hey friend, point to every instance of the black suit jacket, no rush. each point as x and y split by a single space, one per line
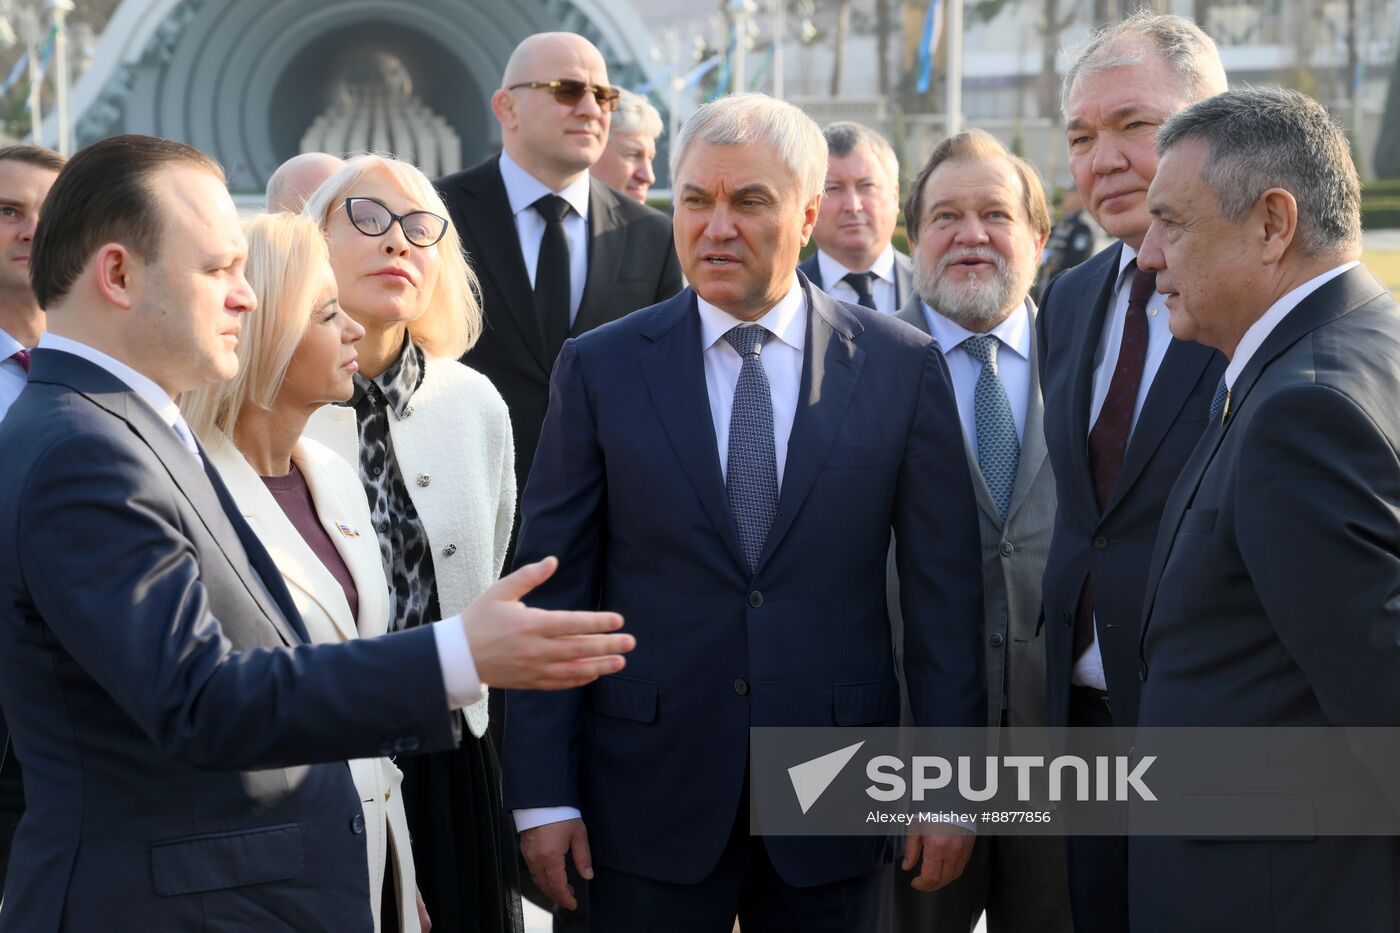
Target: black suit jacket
631 264
1272 602
155 675
1112 546
903 277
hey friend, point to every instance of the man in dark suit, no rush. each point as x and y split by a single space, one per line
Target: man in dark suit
972 271
183 745
855 260
1271 592
726 468
1124 403
557 253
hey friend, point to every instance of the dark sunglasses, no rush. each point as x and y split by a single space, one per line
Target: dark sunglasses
372 218
570 92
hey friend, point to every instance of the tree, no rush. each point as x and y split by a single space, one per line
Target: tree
1387 157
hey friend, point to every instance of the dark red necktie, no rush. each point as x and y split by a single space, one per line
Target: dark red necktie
23 357
1108 440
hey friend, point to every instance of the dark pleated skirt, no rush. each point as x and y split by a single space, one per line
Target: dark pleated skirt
464 854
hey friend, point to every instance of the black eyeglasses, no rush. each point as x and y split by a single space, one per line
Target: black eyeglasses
372 218
570 92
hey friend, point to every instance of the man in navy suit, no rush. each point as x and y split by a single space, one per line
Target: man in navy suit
726 468
855 259
1271 597
184 746
1124 403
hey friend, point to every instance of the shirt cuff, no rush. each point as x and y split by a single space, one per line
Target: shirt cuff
458 669
531 817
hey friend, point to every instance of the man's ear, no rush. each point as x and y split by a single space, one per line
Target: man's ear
1276 223
503 106
809 217
115 266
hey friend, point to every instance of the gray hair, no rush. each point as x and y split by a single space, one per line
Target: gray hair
1262 138
744 118
844 137
1191 54
635 114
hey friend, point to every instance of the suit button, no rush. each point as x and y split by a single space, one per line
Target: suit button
997 639
388 792
378 471
741 687
449 550
1142 673
1100 543
755 599
357 824
1067 619
1007 548
424 479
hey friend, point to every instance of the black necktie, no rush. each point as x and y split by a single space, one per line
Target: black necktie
552 275
861 282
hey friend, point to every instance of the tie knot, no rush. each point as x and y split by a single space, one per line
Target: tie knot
23 357
860 281
552 208
983 349
747 339
1144 284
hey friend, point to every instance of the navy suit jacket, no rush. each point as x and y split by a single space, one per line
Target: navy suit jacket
1112 545
627 491
155 676
903 277
1272 602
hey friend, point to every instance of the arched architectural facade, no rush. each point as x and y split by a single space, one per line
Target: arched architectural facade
244 79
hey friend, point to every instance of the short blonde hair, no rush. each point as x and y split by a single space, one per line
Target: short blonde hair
452 322
739 119
282 249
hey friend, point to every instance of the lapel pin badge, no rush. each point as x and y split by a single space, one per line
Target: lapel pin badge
347 530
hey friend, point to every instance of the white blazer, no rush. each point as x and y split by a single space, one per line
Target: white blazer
457 455
344 513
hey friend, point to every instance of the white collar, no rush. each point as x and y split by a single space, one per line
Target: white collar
9 346
833 271
1126 258
524 189
1260 330
1014 332
784 320
145 389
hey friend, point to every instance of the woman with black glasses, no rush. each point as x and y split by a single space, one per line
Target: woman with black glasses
433 443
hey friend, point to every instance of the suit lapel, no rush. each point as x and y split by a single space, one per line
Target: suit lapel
903 279
606 239
1033 449
1082 367
1181 369
831 368
357 546
812 268
674 369
495 254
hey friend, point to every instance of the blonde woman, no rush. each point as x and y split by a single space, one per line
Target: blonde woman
296 354
433 443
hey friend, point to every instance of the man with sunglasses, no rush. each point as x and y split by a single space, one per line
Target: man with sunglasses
557 253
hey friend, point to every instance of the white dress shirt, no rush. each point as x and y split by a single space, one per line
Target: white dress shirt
1260 330
781 359
1088 669
882 289
523 190
13 377
1013 365
459 675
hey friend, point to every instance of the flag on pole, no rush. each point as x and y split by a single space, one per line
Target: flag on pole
15 72
933 27
693 76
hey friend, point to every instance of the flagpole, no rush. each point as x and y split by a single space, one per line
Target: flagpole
61 8
779 31
955 68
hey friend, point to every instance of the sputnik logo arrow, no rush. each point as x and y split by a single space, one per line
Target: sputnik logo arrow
811 778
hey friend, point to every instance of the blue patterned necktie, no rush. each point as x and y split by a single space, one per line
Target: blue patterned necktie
751 468
998 449
1219 400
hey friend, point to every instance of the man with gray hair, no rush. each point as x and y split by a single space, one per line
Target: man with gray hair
626 161
296 179
1124 402
855 260
1271 593
699 460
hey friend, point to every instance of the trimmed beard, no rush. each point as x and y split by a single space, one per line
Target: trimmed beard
973 305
